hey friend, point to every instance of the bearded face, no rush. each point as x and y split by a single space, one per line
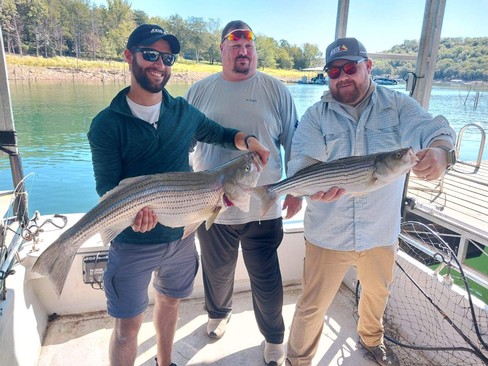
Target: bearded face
149 75
239 59
351 89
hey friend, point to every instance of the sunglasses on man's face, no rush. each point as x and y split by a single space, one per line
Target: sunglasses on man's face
237 34
350 69
151 55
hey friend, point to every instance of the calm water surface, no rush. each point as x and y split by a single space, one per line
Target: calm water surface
52 120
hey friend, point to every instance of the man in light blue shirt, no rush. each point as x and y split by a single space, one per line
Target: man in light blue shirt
356 117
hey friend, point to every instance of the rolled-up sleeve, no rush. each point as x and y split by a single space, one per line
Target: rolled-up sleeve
419 129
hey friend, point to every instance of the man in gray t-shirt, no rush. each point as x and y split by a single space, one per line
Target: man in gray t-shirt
260 105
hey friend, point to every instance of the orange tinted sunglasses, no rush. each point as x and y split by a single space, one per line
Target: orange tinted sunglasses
350 68
237 34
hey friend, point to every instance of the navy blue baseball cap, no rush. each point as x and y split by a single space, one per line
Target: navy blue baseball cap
147 34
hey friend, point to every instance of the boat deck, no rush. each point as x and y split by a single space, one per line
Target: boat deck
458 203
463 198
83 339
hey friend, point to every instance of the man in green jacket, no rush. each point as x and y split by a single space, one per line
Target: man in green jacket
147 131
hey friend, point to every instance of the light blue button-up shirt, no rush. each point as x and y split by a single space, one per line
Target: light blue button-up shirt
326 132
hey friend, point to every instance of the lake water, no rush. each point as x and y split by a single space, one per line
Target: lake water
52 120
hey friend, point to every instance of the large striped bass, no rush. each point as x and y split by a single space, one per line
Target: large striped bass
358 175
180 199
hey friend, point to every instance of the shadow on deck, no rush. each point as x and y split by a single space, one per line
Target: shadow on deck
83 340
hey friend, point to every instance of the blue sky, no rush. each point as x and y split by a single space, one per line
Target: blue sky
378 24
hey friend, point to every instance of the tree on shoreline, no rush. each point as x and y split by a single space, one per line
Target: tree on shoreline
77 28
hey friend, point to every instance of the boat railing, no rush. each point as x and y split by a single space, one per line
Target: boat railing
459 142
10 239
481 145
477 164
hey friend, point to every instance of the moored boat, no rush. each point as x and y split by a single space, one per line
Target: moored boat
385 81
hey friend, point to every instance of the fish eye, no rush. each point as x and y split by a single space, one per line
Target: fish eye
247 168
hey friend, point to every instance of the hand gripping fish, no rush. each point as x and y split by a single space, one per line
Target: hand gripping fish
180 199
358 175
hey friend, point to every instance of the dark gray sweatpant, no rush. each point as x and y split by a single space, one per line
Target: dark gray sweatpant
219 251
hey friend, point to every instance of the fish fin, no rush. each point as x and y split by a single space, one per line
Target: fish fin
190 229
109 233
301 163
212 218
122 185
56 260
243 202
265 197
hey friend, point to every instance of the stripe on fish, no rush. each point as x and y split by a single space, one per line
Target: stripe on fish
358 175
180 199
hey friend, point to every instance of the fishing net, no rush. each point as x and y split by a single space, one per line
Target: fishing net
432 318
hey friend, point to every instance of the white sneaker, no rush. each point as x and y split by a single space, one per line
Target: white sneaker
274 354
216 327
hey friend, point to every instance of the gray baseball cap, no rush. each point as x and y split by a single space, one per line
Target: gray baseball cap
345 49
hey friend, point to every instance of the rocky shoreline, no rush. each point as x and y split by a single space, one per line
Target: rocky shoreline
23 73
119 76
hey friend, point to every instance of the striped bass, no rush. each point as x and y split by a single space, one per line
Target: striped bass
358 175
179 199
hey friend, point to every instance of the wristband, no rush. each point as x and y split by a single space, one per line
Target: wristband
247 138
451 155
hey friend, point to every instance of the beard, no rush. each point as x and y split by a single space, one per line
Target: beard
350 97
355 91
242 69
145 82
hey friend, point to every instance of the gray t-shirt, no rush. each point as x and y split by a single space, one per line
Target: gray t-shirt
260 106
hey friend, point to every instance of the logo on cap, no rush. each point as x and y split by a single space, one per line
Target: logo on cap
156 30
338 49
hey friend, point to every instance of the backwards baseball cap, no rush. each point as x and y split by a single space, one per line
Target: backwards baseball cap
147 34
345 49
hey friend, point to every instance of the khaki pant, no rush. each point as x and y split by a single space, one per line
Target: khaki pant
323 273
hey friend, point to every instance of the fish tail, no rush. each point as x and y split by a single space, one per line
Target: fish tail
266 198
55 265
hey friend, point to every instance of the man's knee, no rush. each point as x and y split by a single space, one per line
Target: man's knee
166 301
125 330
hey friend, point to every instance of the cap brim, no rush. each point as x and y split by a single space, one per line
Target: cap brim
172 40
348 58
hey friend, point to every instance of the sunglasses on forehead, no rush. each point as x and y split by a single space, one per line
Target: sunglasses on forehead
237 34
350 68
151 55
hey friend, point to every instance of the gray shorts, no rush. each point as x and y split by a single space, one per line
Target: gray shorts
129 269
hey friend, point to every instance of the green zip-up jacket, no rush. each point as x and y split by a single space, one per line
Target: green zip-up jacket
124 146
